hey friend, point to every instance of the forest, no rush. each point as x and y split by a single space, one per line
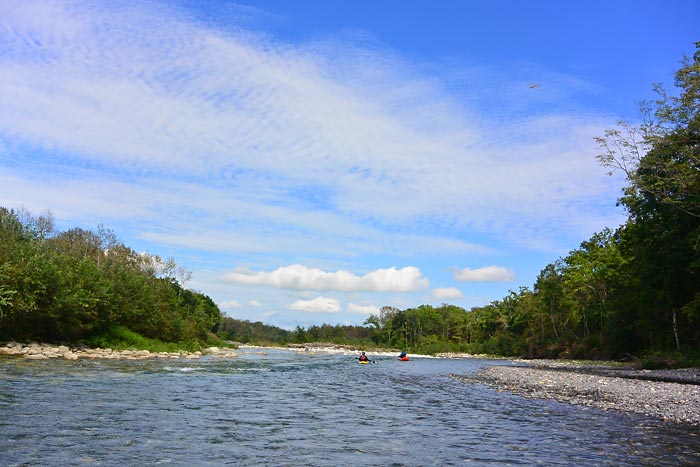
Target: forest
628 293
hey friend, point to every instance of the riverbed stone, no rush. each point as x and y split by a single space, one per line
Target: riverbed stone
37 356
669 401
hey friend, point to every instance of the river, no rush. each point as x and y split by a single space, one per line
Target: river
281 408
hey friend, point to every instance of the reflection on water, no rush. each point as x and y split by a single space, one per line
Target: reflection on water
280 408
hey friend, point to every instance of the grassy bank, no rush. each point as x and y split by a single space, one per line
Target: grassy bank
122 338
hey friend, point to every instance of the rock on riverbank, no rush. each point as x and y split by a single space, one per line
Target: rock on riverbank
40 351
617 390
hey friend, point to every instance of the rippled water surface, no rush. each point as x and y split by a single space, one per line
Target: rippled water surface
279 408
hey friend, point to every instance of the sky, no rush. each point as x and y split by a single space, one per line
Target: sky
311 162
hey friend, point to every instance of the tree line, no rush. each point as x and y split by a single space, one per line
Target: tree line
72 285
249 332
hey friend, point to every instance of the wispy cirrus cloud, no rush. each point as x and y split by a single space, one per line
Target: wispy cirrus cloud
183 100
215 141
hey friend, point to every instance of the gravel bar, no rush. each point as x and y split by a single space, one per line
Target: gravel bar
670 395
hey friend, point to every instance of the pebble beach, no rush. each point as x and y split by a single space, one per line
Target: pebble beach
669 395
43 351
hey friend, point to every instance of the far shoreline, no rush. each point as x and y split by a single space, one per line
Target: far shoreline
44 351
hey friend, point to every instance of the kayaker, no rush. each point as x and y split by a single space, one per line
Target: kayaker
403 357
363 358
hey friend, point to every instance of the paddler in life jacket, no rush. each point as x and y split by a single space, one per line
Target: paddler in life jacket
363 358
403 357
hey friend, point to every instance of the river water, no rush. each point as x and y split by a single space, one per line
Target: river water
280 408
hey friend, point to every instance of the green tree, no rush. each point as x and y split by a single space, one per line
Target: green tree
661 160
66 286
661 156
591 275
549 288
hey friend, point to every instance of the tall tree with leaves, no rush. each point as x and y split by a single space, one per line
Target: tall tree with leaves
661 156
661 160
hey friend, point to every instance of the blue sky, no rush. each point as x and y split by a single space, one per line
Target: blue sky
311 162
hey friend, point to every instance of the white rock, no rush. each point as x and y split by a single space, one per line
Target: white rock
37 356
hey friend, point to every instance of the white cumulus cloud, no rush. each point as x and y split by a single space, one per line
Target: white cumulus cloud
447 293
485 274
317 305
230 304
299 277
362 309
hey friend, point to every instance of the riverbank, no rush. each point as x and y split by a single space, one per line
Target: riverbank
669 395
43 351
343 349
